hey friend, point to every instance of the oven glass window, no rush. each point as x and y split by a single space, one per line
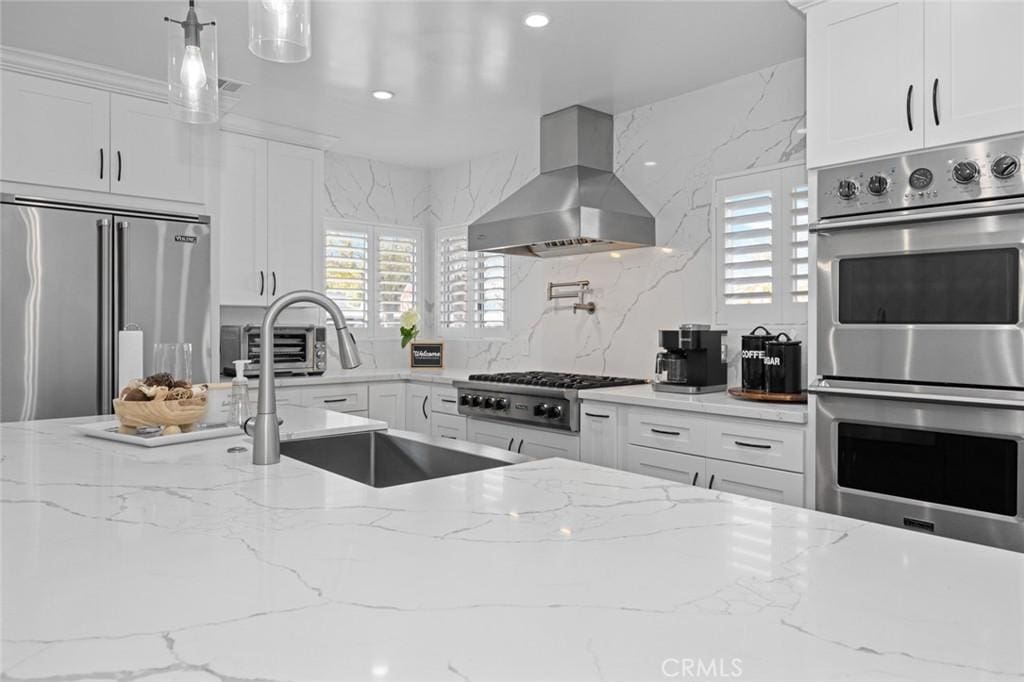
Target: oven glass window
971 472
966 287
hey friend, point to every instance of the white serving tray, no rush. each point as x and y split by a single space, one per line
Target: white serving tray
108 430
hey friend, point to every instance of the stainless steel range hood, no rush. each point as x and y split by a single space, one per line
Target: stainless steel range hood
576 204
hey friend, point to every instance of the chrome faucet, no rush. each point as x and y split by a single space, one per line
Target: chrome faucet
266 448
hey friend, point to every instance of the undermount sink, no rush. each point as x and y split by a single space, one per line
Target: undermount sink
387 458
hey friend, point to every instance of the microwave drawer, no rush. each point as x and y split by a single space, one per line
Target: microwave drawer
667 430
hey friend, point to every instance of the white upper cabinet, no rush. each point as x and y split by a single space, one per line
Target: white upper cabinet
974 69
889 77
295 183
64 135
865 62
243 220
55 133
152 154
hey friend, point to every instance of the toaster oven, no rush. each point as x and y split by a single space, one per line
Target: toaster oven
298 351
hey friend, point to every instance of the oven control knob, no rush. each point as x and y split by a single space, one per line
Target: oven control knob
501 404
554 412
488 403
878 185
1005 166
541 410
847 189
965 172
464 399
475 400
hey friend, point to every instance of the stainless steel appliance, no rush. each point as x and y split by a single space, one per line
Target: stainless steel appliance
694 360
920 341
547 399
576 204
72 276
297 350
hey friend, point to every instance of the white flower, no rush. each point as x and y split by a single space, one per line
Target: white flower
410 318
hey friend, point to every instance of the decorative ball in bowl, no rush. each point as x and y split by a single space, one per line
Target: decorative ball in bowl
160 401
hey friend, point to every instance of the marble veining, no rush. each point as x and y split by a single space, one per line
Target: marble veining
188 563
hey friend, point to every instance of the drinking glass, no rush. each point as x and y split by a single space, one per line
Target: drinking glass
174 359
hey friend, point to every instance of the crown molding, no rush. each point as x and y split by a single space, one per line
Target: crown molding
804 5
91 75
236 123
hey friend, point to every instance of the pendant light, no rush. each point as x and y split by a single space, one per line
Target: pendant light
279 30
192 87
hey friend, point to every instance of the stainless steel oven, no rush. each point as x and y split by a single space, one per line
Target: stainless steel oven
950 464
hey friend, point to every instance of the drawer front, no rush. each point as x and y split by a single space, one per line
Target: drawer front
758 482
284 396
444 399
673 466
667 431
542 443
448 426
339 398
748 442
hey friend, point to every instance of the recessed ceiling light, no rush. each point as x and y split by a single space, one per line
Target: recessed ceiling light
383 94
536 20
650 163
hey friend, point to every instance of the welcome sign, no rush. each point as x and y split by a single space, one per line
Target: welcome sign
423 355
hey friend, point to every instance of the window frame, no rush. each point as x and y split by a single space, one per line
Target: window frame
780 179
470 331
375 331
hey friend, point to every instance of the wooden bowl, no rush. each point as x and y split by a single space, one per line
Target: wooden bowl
174 416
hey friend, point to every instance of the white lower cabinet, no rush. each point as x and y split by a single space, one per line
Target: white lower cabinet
599 435
753 481
448 426
387 403
491 433
417 408
674 466
536 443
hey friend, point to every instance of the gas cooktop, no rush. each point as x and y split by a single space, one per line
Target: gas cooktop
577 382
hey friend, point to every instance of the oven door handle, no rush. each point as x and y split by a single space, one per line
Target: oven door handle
997 207
982 399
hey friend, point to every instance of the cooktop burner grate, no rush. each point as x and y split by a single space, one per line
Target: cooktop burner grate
577 382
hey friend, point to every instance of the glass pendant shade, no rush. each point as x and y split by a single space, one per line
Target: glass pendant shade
279 30
192 86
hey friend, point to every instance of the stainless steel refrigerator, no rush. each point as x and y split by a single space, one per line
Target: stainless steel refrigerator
72 276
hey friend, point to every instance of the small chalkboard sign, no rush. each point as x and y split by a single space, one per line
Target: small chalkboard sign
423 355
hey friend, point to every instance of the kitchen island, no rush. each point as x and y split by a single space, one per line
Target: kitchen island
189 563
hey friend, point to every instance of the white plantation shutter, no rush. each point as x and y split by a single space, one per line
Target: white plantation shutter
455 299
761 247
347 273
396 276
490 278
472 286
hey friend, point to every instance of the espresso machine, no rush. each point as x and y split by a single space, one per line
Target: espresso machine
694 360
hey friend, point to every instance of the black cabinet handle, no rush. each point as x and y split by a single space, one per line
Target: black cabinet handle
424 407
447 400
273 287
910 118
119 165
101 163
510 441
598 416
666 433
759 446
444 436
694 482
519 450
337 400
935 100
711 483
262 282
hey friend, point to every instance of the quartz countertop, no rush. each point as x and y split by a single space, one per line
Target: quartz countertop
189 563
718 403
358 376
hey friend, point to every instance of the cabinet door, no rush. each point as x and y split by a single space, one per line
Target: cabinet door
448 426
387 404
243 220
542 443
54 133
599 434
295 182
491 433
153 154
974 69
865 80
673 466
759 482
417 408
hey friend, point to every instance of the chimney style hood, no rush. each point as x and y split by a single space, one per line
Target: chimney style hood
576 204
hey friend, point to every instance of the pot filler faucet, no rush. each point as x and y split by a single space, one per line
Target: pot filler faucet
266 448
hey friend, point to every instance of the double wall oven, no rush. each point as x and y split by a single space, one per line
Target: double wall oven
920 341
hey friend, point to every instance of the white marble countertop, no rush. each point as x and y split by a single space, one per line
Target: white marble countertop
357 376
720 403
188 563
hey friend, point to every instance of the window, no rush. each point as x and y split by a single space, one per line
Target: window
761 273
472 286
372 272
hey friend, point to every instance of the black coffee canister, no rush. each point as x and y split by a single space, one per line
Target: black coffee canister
782 365
752 347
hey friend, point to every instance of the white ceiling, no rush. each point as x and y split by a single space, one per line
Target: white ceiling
469 78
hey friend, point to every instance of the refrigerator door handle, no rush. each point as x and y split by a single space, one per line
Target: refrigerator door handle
121 273
105 387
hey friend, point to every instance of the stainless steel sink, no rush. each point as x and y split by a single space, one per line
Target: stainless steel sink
386 458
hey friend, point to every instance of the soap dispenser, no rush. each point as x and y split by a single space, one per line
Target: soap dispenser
239 409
